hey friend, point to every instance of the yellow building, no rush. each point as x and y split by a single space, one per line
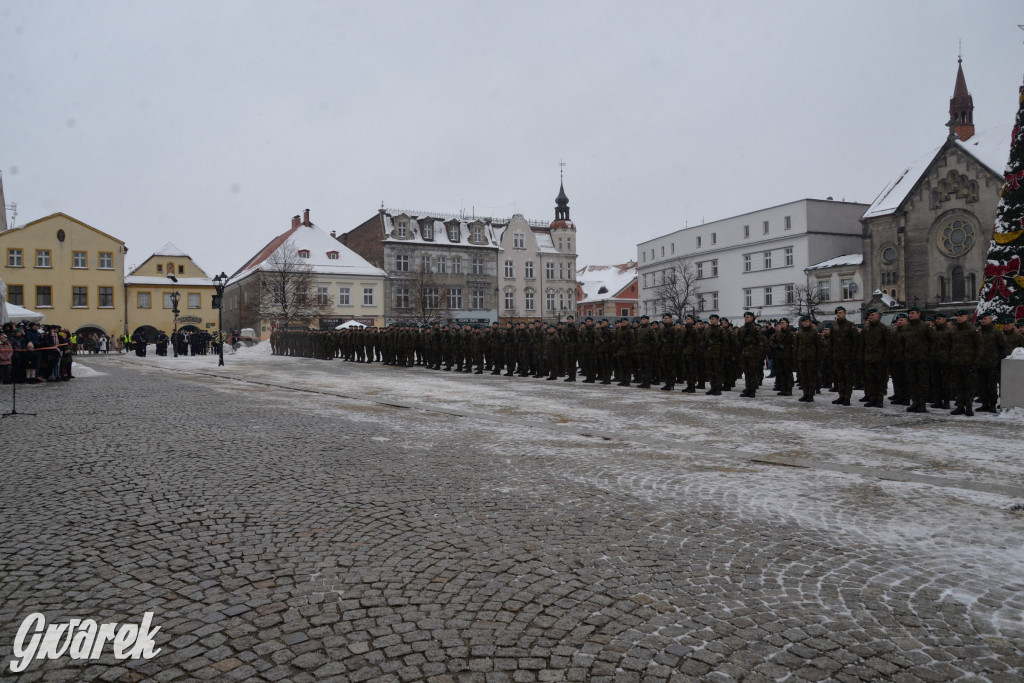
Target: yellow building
149 291
67 270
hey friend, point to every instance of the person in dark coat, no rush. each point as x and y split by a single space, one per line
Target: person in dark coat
876 342
964 348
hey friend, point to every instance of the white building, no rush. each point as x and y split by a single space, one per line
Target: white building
754 261
343 283
837 282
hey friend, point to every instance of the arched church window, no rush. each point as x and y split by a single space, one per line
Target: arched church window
959 285
942 288
973 282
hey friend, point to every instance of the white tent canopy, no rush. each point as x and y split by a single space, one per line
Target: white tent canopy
349 324
16 314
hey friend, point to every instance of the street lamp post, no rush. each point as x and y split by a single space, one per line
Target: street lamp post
175 298
220 282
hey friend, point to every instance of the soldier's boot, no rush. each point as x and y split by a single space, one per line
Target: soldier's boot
570 378
945 405
937 405
689 390
624 383
551 377
912 408
838 401
921 408
864 399
668 387
959 410
606 381
969 411
713 392
644 385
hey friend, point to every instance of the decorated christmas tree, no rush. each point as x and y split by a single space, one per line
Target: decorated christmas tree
1002 293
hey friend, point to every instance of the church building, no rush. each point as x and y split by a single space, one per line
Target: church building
926 235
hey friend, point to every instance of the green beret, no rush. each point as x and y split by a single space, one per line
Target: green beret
750 313
840 308
962 311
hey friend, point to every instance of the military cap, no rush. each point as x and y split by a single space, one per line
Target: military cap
930 319
590 319
690 317
901 315
645 317
986 314
604 320
805 317
872 310
913 308
570 317
724 320
940 314
1008 320
962 311
784 320
840 308
750 313
714 315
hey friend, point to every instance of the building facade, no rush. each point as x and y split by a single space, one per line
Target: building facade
338 285
835 282
926 235
607 291
440 267
67 270
149 295
754 261
537 276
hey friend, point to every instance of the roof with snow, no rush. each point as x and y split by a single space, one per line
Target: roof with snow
327 256
170 250
158 281
990 147
844 260
427 227
613 279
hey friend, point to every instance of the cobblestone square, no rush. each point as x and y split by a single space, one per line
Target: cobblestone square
293 519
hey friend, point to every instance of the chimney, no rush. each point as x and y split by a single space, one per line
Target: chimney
305 218
333 235
295 222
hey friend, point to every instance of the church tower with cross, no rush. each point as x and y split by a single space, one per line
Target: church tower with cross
961 106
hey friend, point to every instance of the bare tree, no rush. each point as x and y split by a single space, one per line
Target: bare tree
427 298
807 300
676 290
284 293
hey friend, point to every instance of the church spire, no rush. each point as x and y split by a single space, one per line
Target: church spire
561 201
961 106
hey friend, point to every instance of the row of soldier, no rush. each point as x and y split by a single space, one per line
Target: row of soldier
927 360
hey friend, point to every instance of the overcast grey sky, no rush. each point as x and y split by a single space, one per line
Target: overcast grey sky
209 124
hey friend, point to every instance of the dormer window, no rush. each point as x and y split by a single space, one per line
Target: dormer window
453 232
403 229
303 253
428 230
332 255
478 234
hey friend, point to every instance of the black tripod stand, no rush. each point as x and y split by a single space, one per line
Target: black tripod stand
14 401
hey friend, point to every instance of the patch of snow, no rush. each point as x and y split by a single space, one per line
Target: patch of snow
79 370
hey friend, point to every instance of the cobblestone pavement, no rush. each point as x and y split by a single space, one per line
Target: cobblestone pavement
345 522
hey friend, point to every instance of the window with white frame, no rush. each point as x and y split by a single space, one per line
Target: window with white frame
549 270
344 295
43 258
714 267
144 300
790 294
368 296
529 299
550 300
106 260
453 232
402 263
432 297
428 230
510 268
767 296
13 256
789 256
510 301
403 229
401 296
194 299
748 298
788 223
767 259
747 265
477 300
561 270
168 301
106 297
518 240
442 264
78 259
700 270
457 265
455 298
478 265
478 234
847 285
714 300
568 244
79 297
825 290
528 270
425 263
322 296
